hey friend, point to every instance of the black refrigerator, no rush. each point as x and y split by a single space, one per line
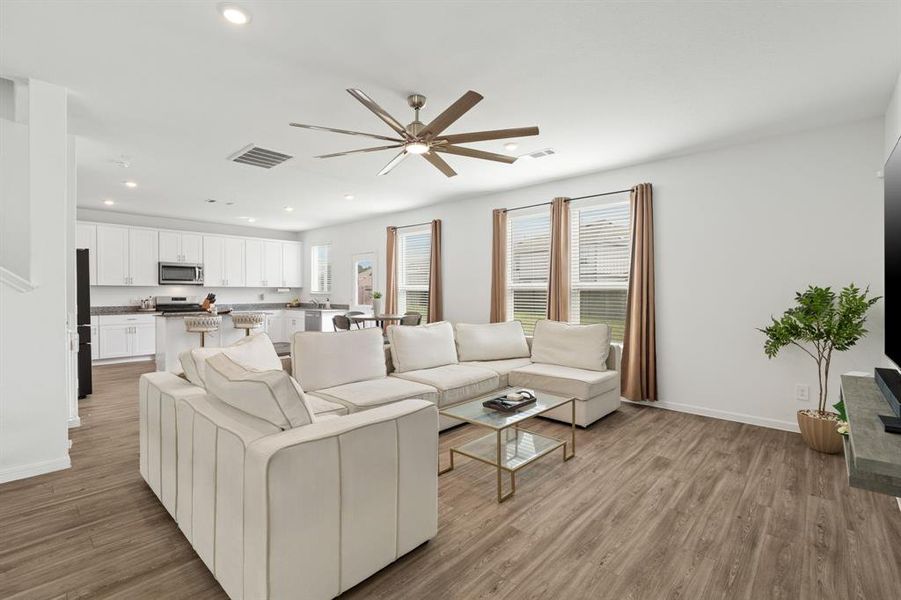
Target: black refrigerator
83 316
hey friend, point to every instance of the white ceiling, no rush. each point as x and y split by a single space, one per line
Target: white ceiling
177 89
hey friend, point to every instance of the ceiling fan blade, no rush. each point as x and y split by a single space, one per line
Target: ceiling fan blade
451 114
345 131
394 162
475 153
375 149
439 163
379 112
495 134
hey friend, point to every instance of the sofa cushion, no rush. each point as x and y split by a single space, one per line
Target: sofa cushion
327 359
422 347
501 367
577 346
490 341
455 383
271 395
566 381
362 395
253 352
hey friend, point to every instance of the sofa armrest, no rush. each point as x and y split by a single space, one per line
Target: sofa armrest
331 503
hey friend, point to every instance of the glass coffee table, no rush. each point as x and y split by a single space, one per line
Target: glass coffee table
509 447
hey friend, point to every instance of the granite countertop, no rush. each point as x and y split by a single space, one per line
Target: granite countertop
262 306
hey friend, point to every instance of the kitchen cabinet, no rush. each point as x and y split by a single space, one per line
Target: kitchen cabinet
292 264
264 262
293 323
253 270
272 264
177 246
127 255
275 327
223 261
121 336
86 237
95 339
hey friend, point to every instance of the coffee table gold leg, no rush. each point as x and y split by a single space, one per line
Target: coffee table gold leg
451 467
573 429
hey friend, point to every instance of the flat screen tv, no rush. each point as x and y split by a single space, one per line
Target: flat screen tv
892 174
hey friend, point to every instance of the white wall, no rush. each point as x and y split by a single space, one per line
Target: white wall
120 218
33 338
738 231
893 119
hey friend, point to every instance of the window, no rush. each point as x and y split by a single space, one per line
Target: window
414 252
528 262
320 269
600 242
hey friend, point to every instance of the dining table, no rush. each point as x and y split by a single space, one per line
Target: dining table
380 320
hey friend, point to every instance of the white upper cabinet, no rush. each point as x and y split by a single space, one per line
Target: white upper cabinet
292 264
223 261
127 256
143 257
112 255
272 264
254 272
176 246
86 237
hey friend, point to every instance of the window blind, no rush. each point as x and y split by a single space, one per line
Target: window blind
321 269
528 261
600 242
414 258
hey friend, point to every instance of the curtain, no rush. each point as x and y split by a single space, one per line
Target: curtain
639 363
391 268
436 298
499 266
558 276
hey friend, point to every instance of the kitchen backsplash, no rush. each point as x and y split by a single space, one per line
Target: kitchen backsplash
127 296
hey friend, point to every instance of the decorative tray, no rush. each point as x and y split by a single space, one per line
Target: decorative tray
503 405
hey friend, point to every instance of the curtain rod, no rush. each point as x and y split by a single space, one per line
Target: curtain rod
569 200
413 225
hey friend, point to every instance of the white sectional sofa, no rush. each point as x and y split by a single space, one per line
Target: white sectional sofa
295 501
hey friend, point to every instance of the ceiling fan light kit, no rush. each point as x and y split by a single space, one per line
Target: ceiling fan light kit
425 139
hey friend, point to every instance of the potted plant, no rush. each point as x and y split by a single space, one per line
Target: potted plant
376 303
819 324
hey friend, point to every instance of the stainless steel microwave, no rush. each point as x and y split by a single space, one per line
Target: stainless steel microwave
181 274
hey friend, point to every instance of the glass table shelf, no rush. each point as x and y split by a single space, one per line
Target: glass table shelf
518 448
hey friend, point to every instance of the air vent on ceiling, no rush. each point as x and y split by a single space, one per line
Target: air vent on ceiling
539 153
259 157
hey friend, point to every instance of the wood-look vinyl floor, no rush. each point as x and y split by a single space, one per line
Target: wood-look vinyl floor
656 504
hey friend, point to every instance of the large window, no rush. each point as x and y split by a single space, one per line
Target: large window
600 241
414 249
528 261
320 269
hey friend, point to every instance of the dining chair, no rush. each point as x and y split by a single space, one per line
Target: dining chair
411 318
352 313
341 323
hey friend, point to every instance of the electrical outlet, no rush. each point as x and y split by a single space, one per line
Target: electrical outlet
802 392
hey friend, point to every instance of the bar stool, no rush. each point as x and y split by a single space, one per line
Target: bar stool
248 321
203 325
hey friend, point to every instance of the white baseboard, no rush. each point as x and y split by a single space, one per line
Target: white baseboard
74 422
39 468
123 359
721 414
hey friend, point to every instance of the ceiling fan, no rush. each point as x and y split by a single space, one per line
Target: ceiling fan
426 140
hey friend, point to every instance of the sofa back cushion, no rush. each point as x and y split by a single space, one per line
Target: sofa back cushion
422 346
254 352
490 341
322 360
272 395
577 346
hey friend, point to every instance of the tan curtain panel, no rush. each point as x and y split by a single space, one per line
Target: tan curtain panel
558 277
391 268
499 266
436 296
639 364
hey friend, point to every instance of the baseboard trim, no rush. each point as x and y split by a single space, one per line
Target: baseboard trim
74 422
122 359
721 414
39 468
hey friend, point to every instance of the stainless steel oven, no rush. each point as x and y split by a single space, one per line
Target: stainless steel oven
181 274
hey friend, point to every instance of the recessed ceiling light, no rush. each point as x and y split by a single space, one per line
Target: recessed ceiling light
109 202
229 203
348 196
511 146
234 14
211 200
130 184
289 209
251 220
